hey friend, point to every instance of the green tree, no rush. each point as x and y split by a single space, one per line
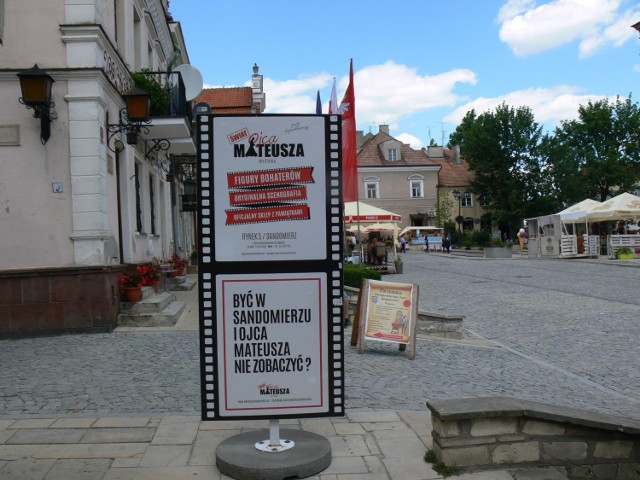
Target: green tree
598 153
502 148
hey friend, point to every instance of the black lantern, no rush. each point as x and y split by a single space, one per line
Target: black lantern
138 105
136 112
36 86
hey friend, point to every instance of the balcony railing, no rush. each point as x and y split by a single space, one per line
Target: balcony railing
167 92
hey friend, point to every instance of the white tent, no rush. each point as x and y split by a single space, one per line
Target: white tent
578 212
621 207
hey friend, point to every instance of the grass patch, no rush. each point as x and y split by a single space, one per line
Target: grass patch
440 468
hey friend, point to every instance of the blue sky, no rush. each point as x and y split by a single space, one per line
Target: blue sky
419 65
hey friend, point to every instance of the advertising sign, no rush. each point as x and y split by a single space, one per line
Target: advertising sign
270 213
274 177
270 346
389 309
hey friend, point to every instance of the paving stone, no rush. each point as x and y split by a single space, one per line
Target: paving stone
26 469
38 436
84 469
410 468
118 435
162 473
166 456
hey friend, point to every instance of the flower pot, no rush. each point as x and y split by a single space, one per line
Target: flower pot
180 271
399 267
625 256
133 294
172 274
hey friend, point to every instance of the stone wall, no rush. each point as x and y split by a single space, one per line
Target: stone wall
505 432
45 301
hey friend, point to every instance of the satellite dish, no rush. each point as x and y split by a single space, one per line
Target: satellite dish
192 79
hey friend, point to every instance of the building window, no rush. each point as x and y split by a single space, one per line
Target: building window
466 200
152 205
393 154
416 186
138 199
372 189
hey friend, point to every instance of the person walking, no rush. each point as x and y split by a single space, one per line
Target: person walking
403 244
446 244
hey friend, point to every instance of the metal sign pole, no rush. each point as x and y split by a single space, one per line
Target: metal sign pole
274 444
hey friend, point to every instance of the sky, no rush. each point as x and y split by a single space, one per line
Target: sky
419 65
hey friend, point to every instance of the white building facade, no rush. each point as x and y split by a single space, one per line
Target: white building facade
76 209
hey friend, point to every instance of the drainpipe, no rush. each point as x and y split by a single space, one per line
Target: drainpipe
174 208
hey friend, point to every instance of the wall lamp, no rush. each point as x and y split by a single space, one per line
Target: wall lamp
36 85
136 113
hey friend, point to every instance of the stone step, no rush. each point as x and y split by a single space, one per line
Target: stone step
154 303
182 284
532 473
168 317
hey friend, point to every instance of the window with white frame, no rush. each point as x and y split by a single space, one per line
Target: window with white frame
465 200
416 186
392 154
372 187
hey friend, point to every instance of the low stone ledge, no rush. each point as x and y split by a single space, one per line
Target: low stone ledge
506 432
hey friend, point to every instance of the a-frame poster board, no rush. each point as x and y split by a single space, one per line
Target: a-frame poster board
269 266
387 312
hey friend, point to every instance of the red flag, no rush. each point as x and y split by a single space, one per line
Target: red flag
349 149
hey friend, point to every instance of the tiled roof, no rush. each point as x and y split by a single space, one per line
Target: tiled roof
227 100
453 173
371 155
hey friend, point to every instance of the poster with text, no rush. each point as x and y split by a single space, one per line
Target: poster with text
272 332
269 188
389 312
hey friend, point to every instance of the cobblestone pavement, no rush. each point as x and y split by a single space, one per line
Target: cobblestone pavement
559 331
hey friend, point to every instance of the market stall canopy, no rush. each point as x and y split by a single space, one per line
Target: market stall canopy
382 227
366 213
622 207
579 211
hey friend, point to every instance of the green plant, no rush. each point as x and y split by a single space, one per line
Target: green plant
355 272
160 94
194 255
397 260
438 467
624 250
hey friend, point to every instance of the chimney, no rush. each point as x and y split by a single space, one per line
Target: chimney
383 129
456 154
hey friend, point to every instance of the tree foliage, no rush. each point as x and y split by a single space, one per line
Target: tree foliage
523 173
502 149
598 153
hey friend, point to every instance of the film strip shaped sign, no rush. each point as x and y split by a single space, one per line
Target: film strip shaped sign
270 266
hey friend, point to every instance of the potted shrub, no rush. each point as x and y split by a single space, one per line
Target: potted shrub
194 257
160 94
131 283
624 253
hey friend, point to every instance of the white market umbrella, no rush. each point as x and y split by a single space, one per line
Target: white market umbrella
621 207
578 212
355 212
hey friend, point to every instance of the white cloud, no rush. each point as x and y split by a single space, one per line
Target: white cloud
384 93
413 141
529 29
548 105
